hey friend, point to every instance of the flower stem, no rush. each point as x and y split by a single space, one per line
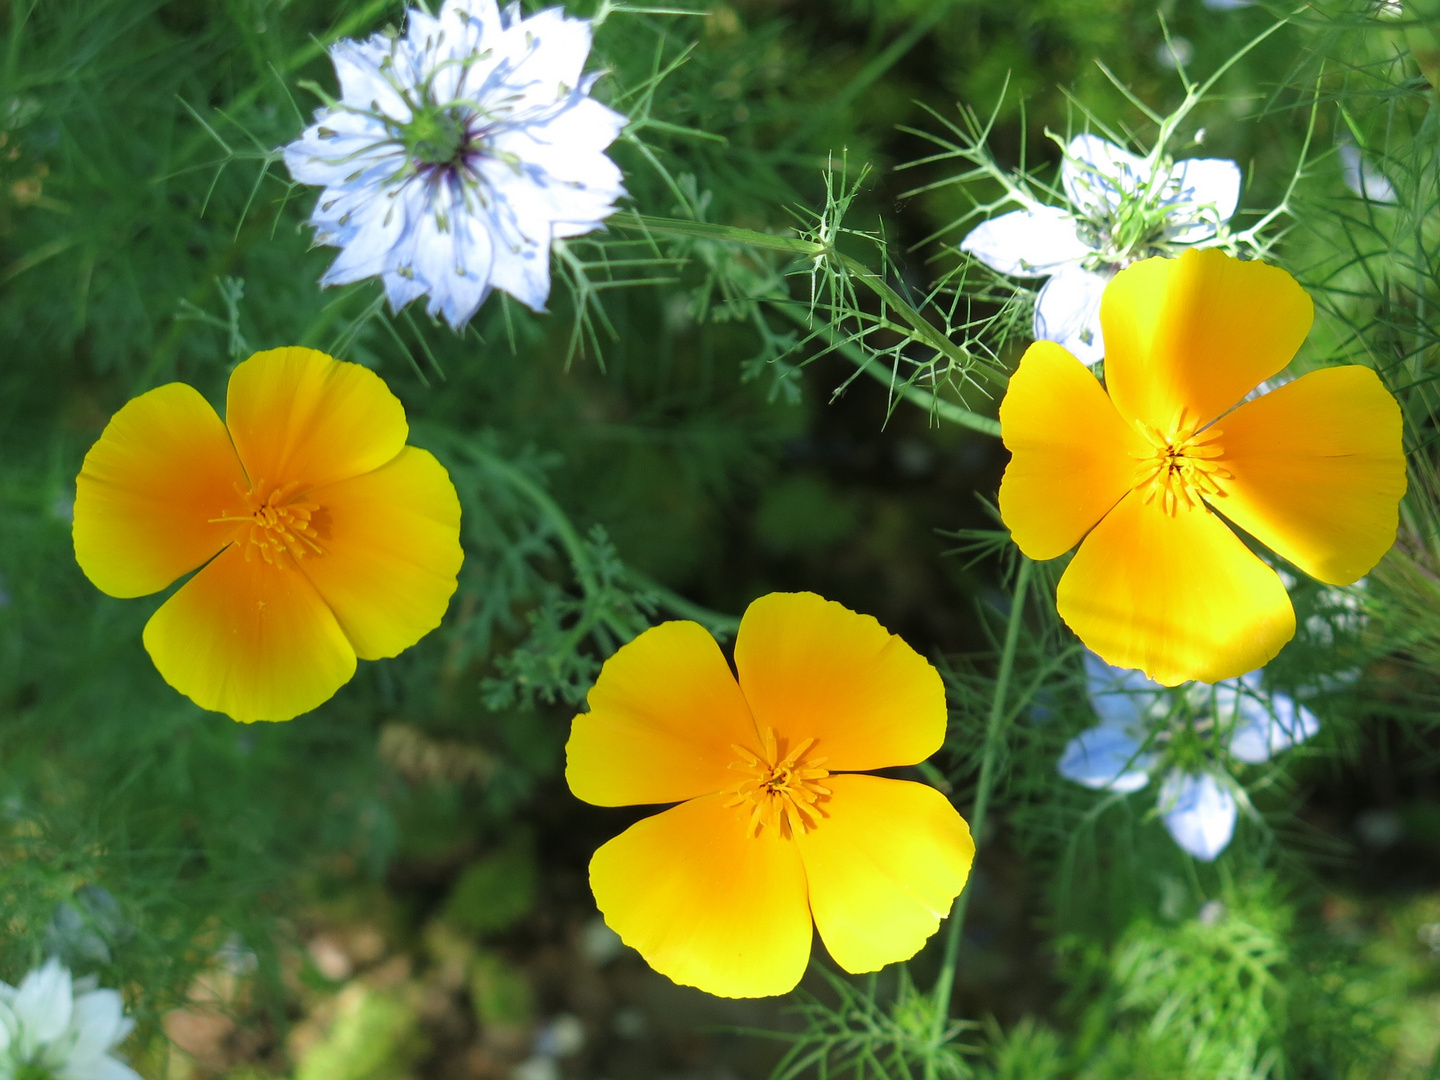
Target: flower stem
994 737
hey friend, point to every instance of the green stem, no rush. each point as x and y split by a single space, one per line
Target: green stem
931 402
994 736
924 330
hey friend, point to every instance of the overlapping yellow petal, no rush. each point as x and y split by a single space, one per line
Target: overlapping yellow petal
299 416
1318 471
706 903
664 717
145 497
1071 452
1178 596
883 868
1197 333
811 668
392 552
251 640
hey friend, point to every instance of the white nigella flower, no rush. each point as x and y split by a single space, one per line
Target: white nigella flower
1137 726
1363 177
1121 208
457 152
54 1029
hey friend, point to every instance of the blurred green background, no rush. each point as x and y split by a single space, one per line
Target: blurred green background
394 885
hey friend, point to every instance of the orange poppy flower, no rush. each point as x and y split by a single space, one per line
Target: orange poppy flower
1140 477
320 536
776 829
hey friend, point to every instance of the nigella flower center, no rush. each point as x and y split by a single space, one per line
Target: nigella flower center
780 793
1182 465
277 525
435 137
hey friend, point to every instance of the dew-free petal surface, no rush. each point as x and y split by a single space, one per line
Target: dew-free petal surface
1070 452
392 552
884 866
1319 469
1027 243
1122 697
1198 812
704 902
250 640
298 415
144 498
664 716
812 668
1179 597
1108 758
1197 334
1067 312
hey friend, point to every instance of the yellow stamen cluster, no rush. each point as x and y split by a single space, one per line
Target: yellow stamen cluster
277 525
1182 465
780 793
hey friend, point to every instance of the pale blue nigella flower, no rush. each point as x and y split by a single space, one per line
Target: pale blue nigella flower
1120 208
457 152
1122 752
53 1028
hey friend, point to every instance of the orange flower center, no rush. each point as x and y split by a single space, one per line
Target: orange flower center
277 525
1181 466
779 792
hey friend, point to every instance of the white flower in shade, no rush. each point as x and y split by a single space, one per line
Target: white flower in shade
1363 177
54 1029
1196 801
457 152
1120 208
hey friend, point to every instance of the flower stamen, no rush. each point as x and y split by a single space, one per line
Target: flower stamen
779 793
277 525
1182 465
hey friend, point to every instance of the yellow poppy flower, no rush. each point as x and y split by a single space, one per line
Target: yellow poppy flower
320 536
1140 477
775 827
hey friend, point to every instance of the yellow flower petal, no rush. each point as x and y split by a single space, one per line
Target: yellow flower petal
391 542
811 668
705 903
250 640
144 498
884 866
297 415
1070 452
1197 334
1177 596
664 717
1318 471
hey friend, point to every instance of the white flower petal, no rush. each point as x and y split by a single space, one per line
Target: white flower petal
99 1023
1067 312
1363 178
1203 194
1266 727
547 53
1120 696
1027 243
1199 813
362 84
1107 758
1097 174
1228 5
43 1006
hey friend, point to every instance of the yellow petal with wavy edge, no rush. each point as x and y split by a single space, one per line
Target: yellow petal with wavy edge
1318 471
705 903
299 416
1178 596
884 865
149 489
1071 452
1194 335
391 541
813 669
665 716
250 640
